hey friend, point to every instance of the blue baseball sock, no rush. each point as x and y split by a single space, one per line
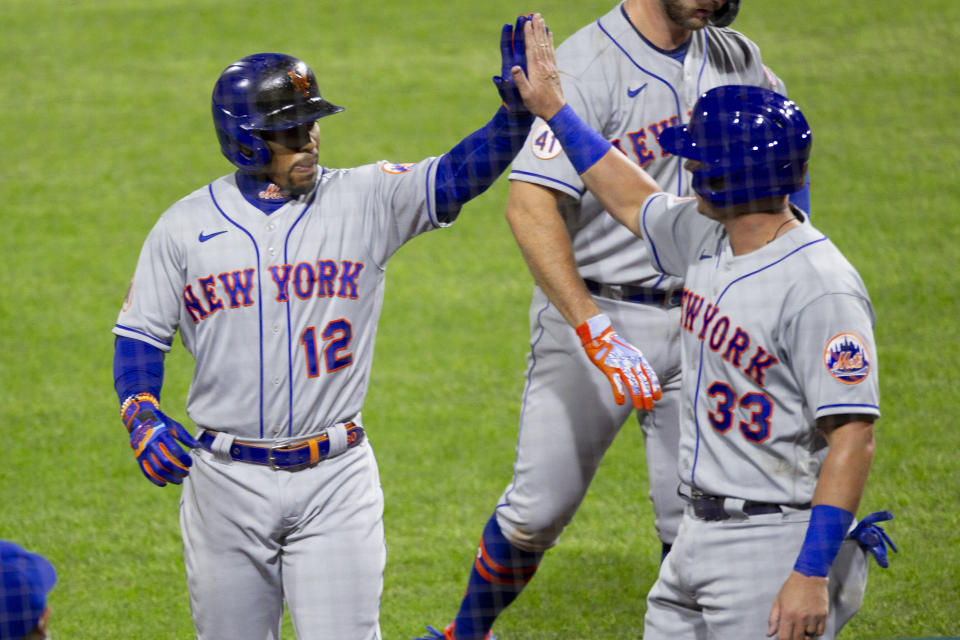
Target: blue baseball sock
499 574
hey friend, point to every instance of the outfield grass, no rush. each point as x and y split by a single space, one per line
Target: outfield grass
105 121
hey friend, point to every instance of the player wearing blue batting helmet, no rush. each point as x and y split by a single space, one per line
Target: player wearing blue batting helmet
263 92
25 580
751 143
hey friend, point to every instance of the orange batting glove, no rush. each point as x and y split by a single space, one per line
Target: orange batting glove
620 361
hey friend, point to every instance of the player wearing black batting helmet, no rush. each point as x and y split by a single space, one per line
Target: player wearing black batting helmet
264 92
273 276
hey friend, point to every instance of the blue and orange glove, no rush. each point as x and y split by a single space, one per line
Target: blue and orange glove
155 440
873 538
621 362
513 52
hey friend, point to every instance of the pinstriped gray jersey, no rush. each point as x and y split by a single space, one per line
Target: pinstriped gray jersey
771 341
279 311
629 91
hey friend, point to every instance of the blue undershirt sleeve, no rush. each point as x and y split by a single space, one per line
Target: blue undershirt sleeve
474 163
137 368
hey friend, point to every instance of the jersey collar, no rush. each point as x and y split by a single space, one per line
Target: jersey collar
263 194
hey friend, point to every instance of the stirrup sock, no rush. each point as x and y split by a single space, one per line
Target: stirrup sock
499 574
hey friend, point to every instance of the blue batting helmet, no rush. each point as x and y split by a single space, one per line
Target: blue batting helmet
263 92
724 16
753 143
25 580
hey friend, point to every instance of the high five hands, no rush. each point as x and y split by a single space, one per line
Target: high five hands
539 85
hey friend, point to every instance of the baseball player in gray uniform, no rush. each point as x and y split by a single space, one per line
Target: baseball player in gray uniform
631 74
274 278
779 370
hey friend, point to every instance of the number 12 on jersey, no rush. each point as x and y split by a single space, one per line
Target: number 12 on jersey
336 337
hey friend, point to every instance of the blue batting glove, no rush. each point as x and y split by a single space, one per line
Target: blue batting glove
513 52
873 538
155 440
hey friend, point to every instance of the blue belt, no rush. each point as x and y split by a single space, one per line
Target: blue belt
633 293
292 457
708 507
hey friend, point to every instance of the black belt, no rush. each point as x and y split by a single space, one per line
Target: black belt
708 507
292 457
633 293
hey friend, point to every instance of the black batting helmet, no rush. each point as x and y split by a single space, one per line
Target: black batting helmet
263 92
723 17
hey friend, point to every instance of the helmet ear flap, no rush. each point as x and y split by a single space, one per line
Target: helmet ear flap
245 150
252 154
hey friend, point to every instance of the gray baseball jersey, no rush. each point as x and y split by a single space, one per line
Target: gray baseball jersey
279 311
628 90
771 341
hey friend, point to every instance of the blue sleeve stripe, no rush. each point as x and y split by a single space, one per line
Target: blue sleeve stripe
871 407
574 191
147 336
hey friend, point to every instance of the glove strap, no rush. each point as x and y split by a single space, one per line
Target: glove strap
592 328
131 407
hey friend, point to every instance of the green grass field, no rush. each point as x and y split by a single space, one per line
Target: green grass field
104 118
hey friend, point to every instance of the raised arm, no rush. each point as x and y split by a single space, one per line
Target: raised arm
619 184
532 211
474 163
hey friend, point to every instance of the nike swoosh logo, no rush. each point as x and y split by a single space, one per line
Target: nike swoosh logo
632 93
204 238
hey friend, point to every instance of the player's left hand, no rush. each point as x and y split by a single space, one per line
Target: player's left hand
799 611
622 363
155 438
512 54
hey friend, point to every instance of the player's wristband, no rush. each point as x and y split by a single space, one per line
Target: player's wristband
583 146
826 532
131 406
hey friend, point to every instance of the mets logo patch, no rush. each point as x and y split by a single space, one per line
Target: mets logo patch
544 144
397 167
272 192
846 358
